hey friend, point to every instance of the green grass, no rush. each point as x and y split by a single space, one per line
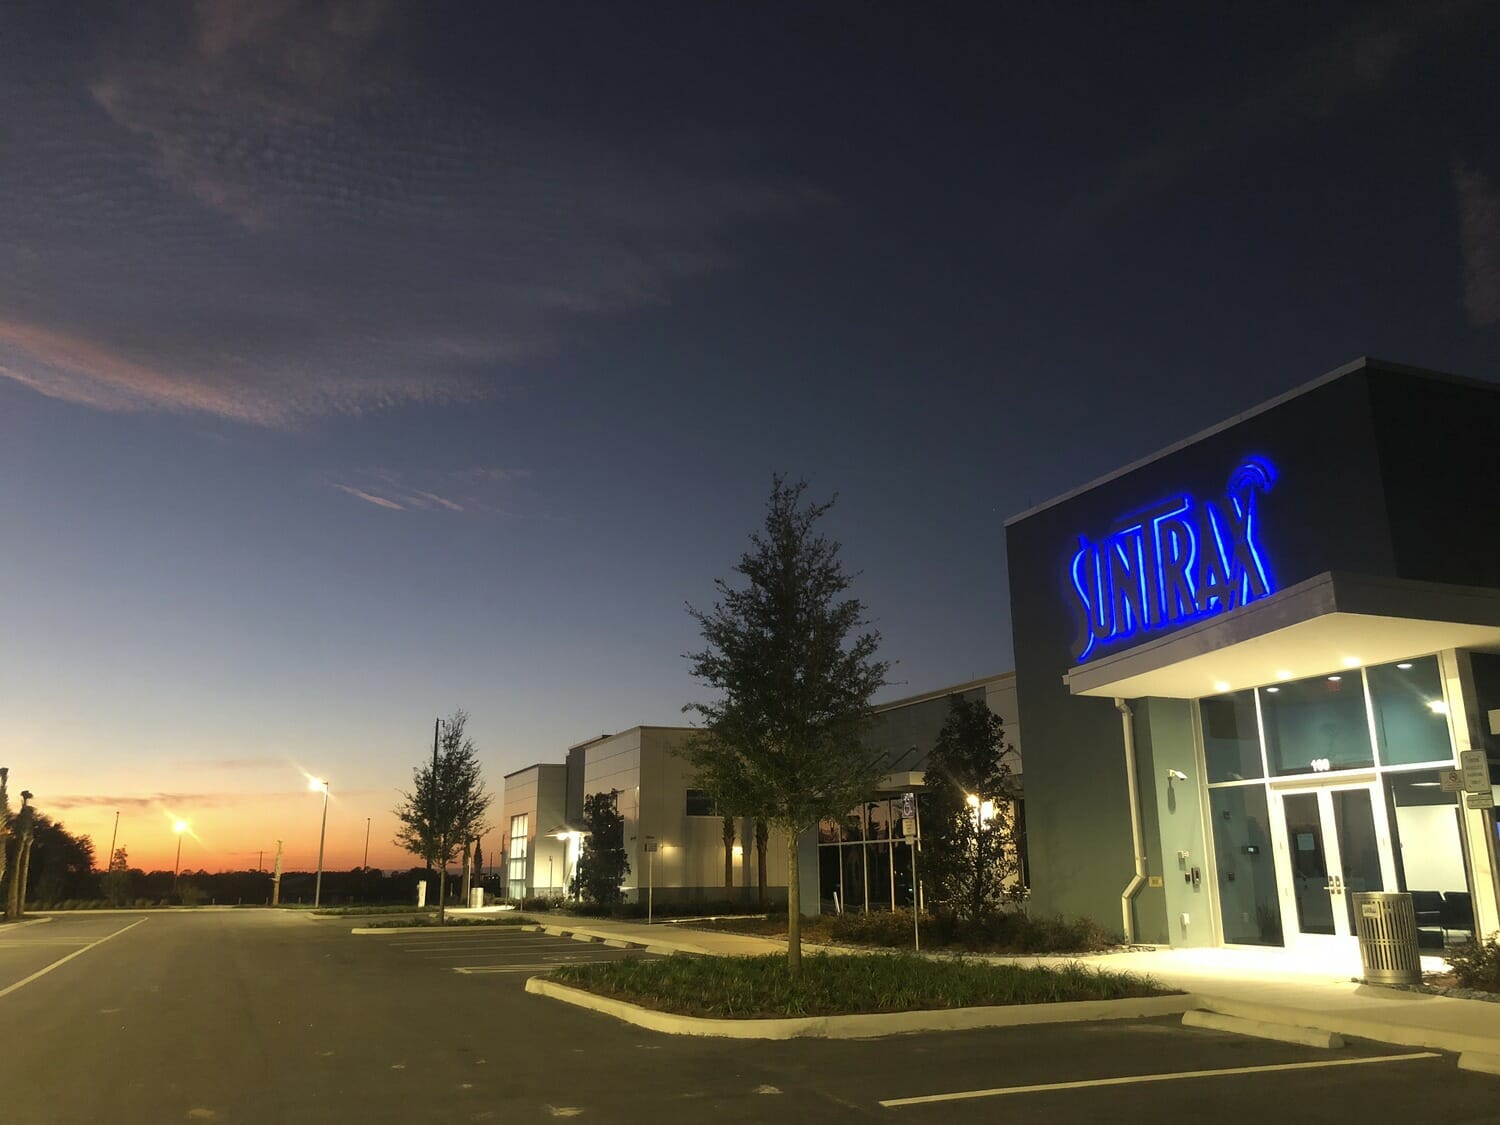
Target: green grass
460 920
831 984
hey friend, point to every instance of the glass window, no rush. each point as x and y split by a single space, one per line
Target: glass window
828 830
700 804
1431 856
1231 736
878 817
1411 717
519 833
1317 725
1247 875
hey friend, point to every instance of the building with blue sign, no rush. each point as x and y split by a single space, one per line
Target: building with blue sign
1250 664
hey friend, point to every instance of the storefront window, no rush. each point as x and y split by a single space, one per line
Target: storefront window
1411 716
1247 873
1231 736
1431 856
520 835
1317 725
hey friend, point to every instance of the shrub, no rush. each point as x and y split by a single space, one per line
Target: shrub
740 987
1478 966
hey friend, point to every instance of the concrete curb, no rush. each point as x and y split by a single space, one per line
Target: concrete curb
1356 1026
866 1025
599 937
1479 1062
1260 1029
462 928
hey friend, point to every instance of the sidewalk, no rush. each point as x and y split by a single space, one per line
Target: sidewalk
1268 985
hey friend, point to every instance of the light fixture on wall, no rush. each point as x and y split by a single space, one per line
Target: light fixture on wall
1176 775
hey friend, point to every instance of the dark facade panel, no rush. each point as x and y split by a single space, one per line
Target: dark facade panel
1324 510
1438 443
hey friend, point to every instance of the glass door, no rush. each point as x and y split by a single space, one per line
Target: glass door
1334 844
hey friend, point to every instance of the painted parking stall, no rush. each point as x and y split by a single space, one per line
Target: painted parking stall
513 952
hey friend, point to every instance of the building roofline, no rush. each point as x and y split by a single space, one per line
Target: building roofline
533 766
1361 364
940 693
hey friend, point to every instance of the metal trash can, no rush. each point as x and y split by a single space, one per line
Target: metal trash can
1387 926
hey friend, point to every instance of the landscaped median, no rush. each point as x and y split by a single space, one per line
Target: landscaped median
850 996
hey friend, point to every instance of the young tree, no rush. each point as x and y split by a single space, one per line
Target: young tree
603 865
794 662
446 806
117 882
968 832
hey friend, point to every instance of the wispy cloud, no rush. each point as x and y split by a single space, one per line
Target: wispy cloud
369 497
164 801
260 210
484 489
1479 240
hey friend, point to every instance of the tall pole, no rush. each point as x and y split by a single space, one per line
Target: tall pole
322 836
437 725
112 836
367 843
177 863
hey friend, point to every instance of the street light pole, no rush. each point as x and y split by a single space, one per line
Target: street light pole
367 843
178 827
317 783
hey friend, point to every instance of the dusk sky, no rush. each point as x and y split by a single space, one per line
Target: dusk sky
361 361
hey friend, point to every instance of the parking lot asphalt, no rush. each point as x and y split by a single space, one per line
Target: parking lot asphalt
268 1017
495 950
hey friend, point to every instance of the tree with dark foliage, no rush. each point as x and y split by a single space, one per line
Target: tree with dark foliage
793 660
603 865
446 806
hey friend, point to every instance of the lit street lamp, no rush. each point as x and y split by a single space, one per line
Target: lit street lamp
178 827
315 784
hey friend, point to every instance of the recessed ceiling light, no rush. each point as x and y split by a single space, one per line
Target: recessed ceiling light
1351 662
1283 675
1437 707
1220 685
1273 690
1425 784
1404 665
1334 679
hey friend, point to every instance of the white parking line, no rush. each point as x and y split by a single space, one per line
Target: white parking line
64 960
1134 1079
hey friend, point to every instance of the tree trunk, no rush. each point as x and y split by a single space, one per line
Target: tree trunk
762 838
729 857
793 906
24 871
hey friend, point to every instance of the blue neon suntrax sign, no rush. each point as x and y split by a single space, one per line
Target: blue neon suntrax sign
1174 562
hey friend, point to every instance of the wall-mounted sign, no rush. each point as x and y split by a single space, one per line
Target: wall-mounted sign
1177 561
1476 771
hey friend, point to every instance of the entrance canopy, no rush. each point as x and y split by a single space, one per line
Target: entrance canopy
1328 623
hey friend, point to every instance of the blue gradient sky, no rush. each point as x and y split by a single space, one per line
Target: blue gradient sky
361 361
